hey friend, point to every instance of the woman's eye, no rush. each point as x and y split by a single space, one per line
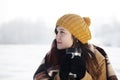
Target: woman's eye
62 32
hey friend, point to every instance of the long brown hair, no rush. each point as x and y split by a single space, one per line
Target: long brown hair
90 58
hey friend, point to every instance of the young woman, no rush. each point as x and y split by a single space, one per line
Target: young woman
71 56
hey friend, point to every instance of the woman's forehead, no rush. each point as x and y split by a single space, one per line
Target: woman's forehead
61 28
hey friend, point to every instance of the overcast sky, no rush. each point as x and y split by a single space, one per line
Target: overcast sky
50 10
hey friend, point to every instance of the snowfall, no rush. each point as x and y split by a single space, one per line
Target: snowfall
19 62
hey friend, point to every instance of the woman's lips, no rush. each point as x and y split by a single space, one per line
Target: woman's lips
59 42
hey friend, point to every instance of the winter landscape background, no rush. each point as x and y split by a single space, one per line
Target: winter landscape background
23 45
27 30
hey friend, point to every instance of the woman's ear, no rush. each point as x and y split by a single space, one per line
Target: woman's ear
75 42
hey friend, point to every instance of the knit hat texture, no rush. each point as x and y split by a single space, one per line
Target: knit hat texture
78 26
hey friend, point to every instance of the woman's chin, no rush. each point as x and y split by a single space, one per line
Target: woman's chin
60 48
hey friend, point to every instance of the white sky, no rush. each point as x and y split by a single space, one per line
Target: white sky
51 10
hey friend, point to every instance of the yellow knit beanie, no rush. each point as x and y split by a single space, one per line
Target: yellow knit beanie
76 25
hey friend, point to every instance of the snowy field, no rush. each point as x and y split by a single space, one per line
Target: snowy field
19 62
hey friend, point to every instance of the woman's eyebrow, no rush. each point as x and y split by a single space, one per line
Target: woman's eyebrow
62 29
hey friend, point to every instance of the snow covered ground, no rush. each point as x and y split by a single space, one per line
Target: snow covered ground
19 62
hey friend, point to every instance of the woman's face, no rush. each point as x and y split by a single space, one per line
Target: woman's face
64 38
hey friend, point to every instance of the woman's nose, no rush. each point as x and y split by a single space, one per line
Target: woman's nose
58 36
